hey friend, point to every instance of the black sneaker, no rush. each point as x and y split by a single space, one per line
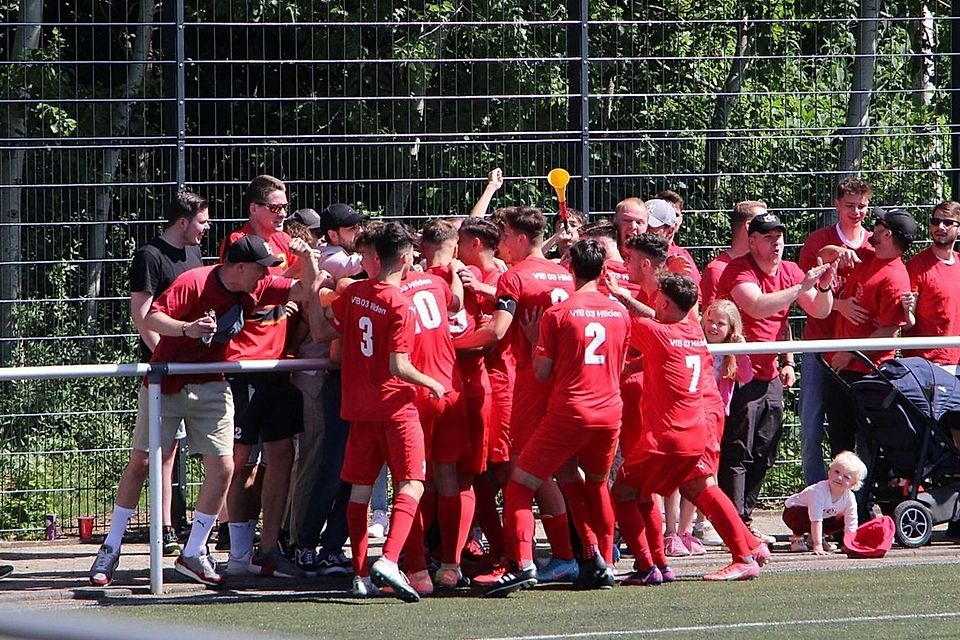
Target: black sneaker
334 564
590 570
171 546
223 537
307 561
515 580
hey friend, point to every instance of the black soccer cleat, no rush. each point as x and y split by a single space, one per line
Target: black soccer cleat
516 580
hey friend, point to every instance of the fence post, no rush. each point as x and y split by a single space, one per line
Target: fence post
181 102
585 107
156 480
954 99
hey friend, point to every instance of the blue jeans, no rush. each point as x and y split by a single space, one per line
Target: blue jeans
812 412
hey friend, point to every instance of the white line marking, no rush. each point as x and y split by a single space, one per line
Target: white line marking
727 627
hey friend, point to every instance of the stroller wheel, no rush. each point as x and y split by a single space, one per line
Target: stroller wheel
914 523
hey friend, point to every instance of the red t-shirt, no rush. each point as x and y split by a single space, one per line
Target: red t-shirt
938 304
711 279
677 363
188 297
744 269
264 334
499 361
877 284
433 352
531 283
586 337
677 250
462 324
375 319
823 328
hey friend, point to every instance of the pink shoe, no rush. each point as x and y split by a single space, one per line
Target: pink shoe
673 546
761 554
421 582
693 545
735 571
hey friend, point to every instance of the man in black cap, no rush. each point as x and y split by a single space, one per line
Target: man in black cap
340 224
763 286
877 282
311 220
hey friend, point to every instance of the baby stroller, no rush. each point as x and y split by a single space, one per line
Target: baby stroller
909 406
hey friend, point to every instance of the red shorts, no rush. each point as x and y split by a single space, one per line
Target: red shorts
553 443
370 444
631 422
530 399
660 473
501 405
710 460
473 459
444 426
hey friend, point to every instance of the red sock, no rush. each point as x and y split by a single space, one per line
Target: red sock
579 512
601 516
448 513
716 506
557 528
518 522
401 522
414 552
468 506
487 515
357 528
428 508
632 530
653 530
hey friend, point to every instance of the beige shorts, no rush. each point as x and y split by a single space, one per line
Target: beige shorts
206 411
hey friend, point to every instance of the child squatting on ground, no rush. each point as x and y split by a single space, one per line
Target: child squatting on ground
826 507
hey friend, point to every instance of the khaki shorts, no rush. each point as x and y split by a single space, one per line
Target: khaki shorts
206 410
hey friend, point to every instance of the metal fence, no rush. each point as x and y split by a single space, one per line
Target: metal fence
401 109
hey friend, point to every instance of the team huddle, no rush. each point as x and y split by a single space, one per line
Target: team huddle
582 382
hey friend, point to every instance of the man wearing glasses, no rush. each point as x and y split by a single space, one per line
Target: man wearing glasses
935 281
269 409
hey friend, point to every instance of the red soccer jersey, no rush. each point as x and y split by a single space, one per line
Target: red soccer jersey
677 250
264 334
618 270
745 269
938 304
462 324
710 281
433 352
822 328
375 320
187 298
586 337
674 408
532 283
877 284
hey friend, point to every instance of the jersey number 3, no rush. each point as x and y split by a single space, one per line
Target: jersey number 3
366 337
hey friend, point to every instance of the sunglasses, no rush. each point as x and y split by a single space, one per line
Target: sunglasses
947 222
275 208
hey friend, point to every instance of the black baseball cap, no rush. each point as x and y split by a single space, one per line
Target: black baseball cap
765 223
338 215
252 249
308 218
899 221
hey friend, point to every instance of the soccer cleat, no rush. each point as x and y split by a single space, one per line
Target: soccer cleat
200 569
512 581
693 544
449 577
421 582
649 578
761 554
385 573
593 573
101 571
673 546
171 546
495 573
363 587
273 564
379 524
605 579
667 573
761 536
334 564
557 570
735 571
307 561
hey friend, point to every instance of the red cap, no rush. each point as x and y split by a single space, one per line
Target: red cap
872 539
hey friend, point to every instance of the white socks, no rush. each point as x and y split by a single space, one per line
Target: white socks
118 524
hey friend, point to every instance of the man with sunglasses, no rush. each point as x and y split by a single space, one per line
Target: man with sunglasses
935 281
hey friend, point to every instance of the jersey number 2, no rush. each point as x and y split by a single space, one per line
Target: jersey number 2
598 332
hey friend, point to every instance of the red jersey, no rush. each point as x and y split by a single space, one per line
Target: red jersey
745 269
462 324
938 304
823 328
711 279
618 270
586 337
677 250
264 334
433 352
877 284
532 283
375 320
188 297
673 404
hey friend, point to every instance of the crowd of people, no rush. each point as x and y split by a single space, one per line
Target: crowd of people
487 354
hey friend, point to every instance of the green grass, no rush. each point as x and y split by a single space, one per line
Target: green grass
787 598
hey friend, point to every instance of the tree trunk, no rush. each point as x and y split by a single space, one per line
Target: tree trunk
26 40
724 107
858 105
120 118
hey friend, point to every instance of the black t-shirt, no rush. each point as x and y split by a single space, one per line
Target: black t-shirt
157 264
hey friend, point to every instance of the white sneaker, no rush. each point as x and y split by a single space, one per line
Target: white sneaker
239 566
762 537
379 524
364 587
707 534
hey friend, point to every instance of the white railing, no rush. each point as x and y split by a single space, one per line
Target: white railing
155 372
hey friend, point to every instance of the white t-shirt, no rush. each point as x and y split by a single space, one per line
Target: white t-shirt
820 505
338 263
